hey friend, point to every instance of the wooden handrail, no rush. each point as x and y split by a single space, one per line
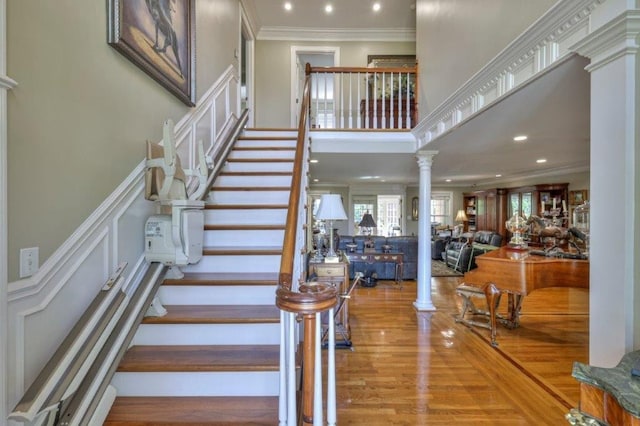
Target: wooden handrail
338 70
285 279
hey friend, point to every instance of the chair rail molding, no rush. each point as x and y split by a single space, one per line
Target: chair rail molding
38 310
546 42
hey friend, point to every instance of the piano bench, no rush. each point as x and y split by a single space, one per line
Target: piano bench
467 292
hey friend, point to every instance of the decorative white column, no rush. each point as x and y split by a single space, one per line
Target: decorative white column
614 305
423 302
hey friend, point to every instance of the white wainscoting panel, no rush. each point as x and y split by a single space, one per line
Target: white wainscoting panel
43 308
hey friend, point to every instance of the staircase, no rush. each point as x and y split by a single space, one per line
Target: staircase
214 358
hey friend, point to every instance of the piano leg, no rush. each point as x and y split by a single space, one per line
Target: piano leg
492 294
515 305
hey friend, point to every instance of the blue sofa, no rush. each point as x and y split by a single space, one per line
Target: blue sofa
407 245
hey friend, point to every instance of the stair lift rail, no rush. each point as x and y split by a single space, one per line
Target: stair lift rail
73 387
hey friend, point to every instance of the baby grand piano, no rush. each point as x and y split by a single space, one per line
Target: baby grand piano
515 273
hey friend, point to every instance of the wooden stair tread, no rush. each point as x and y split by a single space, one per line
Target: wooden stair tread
241 251
203 411
225 278
260 160
264 148
256 173
251 188
217 314
245 206
200 358
243 227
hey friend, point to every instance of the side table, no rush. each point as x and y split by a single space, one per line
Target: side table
336 274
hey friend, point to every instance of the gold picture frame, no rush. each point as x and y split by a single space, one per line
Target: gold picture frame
159 39
578 197
414 208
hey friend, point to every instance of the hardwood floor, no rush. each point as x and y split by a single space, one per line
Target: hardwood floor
423 368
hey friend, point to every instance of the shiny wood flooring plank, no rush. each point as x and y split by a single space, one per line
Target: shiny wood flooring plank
417 368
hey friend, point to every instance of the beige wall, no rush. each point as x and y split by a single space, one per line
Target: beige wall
273 72
456 38
79 117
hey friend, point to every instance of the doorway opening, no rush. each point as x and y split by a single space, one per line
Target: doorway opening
385 209
322 93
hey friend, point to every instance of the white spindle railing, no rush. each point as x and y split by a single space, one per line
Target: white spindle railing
363 98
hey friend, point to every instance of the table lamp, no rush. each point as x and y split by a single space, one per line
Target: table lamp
367 224
331 209
461 217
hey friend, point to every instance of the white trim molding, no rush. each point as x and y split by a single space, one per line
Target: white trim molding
37 309
540 47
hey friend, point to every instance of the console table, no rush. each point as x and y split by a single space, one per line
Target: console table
371 258
377 111
336 274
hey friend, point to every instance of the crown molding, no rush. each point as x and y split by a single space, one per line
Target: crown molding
617 38
336 34
539 48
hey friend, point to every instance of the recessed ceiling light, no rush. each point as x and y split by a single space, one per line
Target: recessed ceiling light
313 161
328 8
288 5
498 175
447 180
369 177
316 180
541 160
376 7
520 138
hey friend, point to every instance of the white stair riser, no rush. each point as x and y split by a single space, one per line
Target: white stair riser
237 263
252 181
271 143
246 216
249 197
286 133
244 238
217 295
262 154
258 383
208 334
243 166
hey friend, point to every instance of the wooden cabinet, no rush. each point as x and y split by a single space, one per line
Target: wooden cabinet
485 210
539 200
380 113
336 274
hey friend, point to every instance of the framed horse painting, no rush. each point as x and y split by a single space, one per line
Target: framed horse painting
159 37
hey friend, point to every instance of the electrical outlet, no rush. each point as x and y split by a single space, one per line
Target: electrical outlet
29 261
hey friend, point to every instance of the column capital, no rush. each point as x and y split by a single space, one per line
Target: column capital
617 38
425 158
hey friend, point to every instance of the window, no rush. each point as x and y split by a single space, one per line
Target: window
441 208
322 103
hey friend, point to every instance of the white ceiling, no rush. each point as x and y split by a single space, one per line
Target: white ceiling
349 15
552 110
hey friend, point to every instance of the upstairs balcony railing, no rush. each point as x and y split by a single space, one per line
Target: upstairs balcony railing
363 98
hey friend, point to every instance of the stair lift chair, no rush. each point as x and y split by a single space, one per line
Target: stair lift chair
174 236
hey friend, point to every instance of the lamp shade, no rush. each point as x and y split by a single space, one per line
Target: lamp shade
331 208
461 216
367 221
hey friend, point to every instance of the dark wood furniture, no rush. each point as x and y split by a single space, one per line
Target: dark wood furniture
338 275
516 273
371 258
379 113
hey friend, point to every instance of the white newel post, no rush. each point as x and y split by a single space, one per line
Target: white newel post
423 301
614 313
